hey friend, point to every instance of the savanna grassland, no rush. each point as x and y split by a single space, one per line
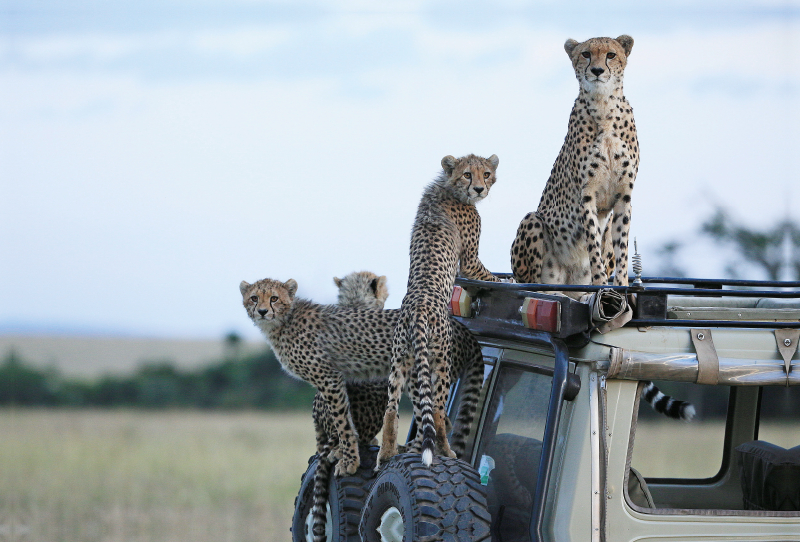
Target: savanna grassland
138 475
94 475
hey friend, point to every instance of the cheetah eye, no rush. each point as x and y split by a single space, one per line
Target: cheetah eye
254 298
586 54
467 175
273 299
611 55
486 174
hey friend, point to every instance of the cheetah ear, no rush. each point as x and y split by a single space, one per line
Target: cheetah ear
448 164
244 286
569 46
627 43
337 281
291 285
380 289
494 160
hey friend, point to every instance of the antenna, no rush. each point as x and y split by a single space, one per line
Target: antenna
637 265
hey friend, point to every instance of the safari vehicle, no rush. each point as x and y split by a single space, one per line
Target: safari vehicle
565 449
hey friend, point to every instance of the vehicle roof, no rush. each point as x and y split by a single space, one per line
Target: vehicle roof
746 322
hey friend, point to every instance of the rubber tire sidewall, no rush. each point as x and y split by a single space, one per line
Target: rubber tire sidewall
385 496
346 497
443 502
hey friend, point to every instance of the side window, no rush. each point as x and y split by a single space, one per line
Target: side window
769 467
659 439
511 446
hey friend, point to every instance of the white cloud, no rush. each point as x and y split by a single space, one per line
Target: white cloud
142 201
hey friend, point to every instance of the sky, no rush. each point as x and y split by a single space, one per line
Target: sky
153 154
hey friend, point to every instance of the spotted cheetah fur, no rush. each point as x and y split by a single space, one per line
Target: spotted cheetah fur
368 398
579 232
444 242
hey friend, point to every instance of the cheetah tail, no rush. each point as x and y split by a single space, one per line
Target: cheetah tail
472 380
666 405
422 363
320 495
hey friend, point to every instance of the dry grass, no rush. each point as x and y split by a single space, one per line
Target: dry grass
85 476
112 476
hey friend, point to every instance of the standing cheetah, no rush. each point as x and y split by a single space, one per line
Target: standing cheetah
368 398
324 345
367 290
330 346
444 241
361 290
579 233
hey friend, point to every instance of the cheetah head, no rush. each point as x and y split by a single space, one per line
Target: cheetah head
267 300
599 63
470 177
362 290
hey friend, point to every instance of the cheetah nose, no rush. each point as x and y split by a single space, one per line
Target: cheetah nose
262 312
597 71
478 189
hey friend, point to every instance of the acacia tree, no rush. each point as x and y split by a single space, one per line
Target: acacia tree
767 249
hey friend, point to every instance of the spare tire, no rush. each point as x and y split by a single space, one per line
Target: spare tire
346 498
411 502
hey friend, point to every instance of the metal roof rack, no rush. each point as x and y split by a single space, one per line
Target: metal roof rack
656 301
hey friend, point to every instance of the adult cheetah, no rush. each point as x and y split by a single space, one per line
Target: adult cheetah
579 232
444 241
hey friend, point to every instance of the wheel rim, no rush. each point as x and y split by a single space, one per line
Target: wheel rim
328 524
391 528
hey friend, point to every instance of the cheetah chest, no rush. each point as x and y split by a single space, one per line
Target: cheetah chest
611 163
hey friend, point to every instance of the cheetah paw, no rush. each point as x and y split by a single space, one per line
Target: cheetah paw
383 457
335 454
345 468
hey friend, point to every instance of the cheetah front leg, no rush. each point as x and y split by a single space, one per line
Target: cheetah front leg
593 244
608 249
527 251
470 266
619 239
334 392
323 440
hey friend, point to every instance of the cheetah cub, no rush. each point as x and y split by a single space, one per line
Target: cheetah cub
324 345
362 290
579 232
444 241
358 290
330 346
367 290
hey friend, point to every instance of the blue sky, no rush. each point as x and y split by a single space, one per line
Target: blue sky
154 154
